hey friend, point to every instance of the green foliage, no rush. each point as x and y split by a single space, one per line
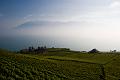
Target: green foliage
59 65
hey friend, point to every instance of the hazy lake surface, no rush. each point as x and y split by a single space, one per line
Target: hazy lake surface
17 43
20 42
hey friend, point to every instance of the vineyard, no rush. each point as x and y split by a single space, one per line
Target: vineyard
59 65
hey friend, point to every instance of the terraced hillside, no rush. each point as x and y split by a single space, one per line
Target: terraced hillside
59 65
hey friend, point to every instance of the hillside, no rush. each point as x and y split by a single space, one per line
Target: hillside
59 65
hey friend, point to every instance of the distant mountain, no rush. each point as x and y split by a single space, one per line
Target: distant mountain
32 24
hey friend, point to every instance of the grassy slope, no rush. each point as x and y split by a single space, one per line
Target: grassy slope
60 65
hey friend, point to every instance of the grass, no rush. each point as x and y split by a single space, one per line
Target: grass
59 65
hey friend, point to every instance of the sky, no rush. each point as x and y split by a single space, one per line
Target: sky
75 24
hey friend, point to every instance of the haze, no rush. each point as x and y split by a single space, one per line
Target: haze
74 24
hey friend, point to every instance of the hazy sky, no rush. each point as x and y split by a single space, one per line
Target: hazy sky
77 24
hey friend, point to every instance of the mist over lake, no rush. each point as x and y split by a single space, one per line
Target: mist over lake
17 43
21 42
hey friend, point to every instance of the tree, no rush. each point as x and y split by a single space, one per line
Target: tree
94 51
35 50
